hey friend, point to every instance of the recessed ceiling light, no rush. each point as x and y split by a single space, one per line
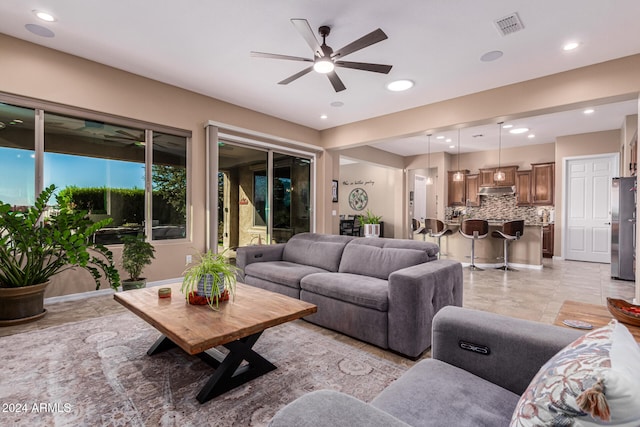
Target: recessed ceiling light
448 140
517 131
571 46
491 56
440 137
452 146
588 111
531 136
507 126
399 85
44 16
323 117
337 104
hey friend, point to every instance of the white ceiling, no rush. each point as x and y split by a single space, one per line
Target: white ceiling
204 45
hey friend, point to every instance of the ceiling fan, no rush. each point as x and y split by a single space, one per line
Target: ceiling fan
325 58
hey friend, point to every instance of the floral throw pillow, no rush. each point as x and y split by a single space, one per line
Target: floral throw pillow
593 381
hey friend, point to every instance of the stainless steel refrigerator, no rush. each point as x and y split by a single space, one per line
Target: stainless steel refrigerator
623 228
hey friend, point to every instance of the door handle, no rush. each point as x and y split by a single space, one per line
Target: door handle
607 223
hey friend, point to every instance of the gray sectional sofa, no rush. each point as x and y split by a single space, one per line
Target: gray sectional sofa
456 387
382 291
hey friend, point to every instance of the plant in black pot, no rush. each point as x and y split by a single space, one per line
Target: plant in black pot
39 242
137 253
209 280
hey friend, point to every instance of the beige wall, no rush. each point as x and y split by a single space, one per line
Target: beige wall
380 183
586 144
33 71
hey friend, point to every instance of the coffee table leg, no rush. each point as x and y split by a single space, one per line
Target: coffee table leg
163 343
227 376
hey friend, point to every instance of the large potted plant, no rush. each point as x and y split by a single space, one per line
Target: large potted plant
40 242
210 279
136 254
371 224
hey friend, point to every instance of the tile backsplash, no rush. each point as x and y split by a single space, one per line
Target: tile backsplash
502 207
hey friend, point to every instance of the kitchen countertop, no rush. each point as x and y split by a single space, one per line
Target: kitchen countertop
500 222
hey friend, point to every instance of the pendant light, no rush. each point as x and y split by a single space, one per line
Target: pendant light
429 179
499 175
458 176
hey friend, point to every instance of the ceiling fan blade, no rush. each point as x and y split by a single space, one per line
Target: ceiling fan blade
364 41
296 76
277 56
303 27
338 86
376 68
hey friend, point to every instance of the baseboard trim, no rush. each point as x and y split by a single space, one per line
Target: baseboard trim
103 292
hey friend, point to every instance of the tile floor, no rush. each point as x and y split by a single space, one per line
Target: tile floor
528 294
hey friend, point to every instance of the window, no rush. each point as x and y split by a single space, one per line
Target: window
101 167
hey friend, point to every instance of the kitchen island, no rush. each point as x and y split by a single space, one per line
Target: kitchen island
523 253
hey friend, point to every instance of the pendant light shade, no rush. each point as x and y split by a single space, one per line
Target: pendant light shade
429 179
499 175
458 176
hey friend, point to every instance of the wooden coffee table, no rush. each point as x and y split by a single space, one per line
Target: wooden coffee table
597 315
197 329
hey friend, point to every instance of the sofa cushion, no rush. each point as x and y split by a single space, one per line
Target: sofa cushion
431 249
322 254
378 262
360 290
283 272
592 381
435 393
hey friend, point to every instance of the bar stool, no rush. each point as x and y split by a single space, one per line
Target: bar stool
474 229
437 229
511 230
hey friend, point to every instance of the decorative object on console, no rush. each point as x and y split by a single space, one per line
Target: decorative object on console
458 176
211 278
371 224
499 175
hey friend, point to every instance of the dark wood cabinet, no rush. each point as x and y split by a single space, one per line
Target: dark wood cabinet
486 177
547 241
523 188
472 197
456 189
542 183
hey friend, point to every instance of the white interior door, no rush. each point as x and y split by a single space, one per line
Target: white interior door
588 204
420 198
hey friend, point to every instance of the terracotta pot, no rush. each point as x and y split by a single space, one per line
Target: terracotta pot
22 305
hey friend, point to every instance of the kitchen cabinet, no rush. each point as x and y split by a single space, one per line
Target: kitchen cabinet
456 189
523 188
547 241
472 197
542 183
486 177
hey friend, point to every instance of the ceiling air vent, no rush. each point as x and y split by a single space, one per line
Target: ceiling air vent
509 24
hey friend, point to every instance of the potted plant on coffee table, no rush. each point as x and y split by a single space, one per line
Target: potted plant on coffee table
39 242
371 224
136 254
209 280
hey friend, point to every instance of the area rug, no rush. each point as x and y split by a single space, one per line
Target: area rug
97 373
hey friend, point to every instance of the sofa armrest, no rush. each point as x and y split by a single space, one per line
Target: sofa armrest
332 409
246 255
415 295
517 348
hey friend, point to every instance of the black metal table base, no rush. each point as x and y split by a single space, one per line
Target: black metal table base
228 372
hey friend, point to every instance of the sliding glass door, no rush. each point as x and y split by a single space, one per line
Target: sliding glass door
264 196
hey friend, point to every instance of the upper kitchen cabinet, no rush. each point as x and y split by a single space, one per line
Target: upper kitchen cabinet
486 177
523 188
542 183
457 189
472 196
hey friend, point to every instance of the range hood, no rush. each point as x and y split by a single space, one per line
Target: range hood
497 191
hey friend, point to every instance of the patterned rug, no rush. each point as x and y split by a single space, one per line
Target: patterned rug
96 372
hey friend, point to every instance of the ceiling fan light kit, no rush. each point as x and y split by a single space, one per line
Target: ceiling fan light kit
325 59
